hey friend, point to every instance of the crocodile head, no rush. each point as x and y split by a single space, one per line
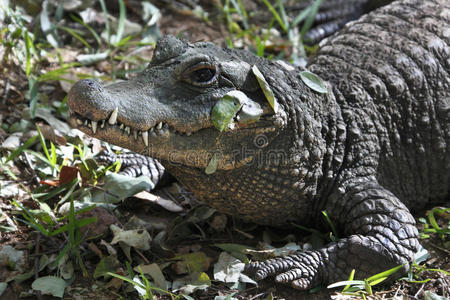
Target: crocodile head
165 112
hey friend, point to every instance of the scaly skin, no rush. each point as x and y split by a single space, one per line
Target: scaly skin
368 152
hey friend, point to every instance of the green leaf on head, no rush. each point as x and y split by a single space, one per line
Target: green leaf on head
314 82
265 88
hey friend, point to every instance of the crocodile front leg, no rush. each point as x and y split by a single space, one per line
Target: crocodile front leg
381 234
135 165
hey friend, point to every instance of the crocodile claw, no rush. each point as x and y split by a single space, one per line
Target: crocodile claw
300 270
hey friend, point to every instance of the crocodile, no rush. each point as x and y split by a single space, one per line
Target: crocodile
369 152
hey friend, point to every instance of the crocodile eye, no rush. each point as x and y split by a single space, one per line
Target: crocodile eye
201 75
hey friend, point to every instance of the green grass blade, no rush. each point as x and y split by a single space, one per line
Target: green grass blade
126 279
31 220
71 224
62 107
44 146
53 154
33 90
69 193
28 50
440 271
283 14
75 35
276 15
45 196
7 170
240 9
19 150
432 219
34 225
123 41
345 283
56 73
259 47
368 287
121 25
148 287
63 252
333 229
386 273
350 278
38 156
105 15
310 19
301 16
89 28
79 223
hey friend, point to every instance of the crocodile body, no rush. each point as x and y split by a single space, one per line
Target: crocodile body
370 151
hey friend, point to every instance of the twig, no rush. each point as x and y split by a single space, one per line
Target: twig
419 291
142 256
36 262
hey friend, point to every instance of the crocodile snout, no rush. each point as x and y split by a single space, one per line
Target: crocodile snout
89 99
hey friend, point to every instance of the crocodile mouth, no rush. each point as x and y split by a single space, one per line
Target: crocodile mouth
113 125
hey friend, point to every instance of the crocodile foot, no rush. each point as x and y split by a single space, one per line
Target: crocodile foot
134 165
300 270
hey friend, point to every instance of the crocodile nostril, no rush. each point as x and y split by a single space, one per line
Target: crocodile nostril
86 86
90 83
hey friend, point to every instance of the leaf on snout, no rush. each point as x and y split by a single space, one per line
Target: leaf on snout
265 88
212 166
235 105
226 109
314 82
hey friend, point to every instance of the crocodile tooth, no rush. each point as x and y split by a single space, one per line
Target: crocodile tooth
79 122
121 126
152 132
135 134
145 137
159 126
94 126
188 133
102 124
113 119
127 130
85 122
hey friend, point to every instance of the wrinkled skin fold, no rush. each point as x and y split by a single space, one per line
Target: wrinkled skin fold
370 151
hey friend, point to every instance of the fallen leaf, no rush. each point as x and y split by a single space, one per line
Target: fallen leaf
191 263
118 187
105 265
67 174
155 272
137 238
167 204
191 283
229 269
50 285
